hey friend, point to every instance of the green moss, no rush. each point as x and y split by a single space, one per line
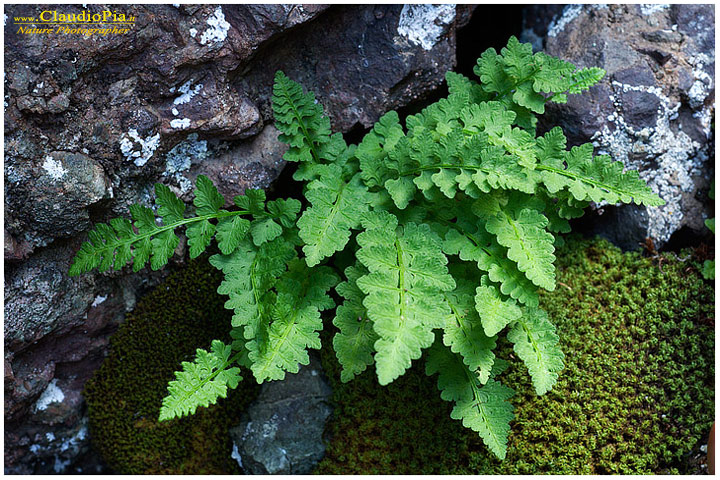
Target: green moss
636 395
125 394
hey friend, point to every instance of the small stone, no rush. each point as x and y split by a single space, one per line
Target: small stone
281 433
59 103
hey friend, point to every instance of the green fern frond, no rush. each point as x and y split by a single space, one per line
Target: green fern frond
523 232
250 272
354 343
536 343
482 408
375 146
146 239
201 382
336 208
301 296
404 287
463 332
596 179
304 127
473 243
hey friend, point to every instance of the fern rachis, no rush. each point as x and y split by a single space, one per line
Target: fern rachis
453 219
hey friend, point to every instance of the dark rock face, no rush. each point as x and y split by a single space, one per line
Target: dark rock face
93 121
281 434
653 110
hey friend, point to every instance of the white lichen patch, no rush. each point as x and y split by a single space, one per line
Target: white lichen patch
181 158
703 84
676 158
50 436
193 32
175 111
218 28
138 149
60 465
98 300
651 8
424 24
236 455
52 394
569 13
54 168
75 440
180 123
188 92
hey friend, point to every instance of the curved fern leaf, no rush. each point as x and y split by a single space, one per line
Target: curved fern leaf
517 75
495 312
375 146
354 343
536 343
201 382
336 207
300 120
250 272
115 244
301 295
463 332
529 244
472 243
407 275
484 409
596 179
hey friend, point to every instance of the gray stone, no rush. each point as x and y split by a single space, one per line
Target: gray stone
652 111
282 431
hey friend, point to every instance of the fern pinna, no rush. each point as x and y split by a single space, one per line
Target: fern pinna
455 217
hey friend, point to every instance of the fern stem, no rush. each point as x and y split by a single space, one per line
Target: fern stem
457 316
401 279
476 396
439 166
185 221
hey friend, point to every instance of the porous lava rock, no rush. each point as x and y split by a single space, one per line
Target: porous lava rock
653 110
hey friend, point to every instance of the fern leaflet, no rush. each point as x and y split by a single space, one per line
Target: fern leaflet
201 382
354 343
407 275
484 409
536 343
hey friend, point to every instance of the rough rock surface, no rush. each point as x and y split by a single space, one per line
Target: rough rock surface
281 433
653 110
93 121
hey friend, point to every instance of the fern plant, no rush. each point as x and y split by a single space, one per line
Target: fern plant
455 217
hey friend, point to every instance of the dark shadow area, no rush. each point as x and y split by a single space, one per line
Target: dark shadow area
686 238
284 186
490 26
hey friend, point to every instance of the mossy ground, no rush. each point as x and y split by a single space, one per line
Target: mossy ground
125 394
636 396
